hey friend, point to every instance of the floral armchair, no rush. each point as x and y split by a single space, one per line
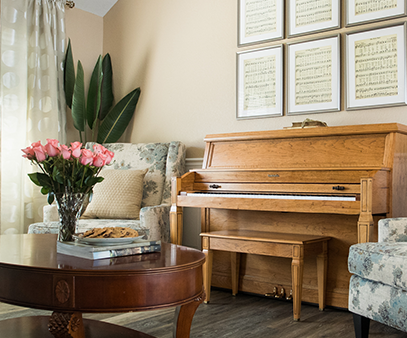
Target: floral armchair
378 287
163 160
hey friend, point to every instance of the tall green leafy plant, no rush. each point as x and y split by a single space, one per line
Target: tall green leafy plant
95 117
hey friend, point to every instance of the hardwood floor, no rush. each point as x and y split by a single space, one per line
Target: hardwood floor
235 317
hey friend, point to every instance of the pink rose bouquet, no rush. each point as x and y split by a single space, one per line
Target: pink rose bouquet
64 169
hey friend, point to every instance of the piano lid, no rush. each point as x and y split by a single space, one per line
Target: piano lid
363 129
343 147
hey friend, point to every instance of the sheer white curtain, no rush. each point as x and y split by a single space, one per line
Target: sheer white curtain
32 100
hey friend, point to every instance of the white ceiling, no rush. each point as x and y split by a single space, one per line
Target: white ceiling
98 7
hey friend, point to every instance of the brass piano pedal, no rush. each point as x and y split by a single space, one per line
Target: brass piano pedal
272 294
290 296
281 294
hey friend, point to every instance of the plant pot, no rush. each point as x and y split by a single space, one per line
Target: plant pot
70 208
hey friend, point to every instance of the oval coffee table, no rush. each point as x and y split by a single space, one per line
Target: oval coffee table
33 274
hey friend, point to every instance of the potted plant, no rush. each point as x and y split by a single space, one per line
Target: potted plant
106 122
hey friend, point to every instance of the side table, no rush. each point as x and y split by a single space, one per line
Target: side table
33 274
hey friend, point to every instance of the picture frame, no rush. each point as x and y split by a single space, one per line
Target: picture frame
260 21
362 11
376 68
260 83
305 17
313 76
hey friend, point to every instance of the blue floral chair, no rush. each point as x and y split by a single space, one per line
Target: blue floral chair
378 286
163 161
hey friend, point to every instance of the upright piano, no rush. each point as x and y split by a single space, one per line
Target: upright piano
330 181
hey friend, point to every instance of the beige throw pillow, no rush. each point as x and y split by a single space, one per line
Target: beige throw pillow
118 196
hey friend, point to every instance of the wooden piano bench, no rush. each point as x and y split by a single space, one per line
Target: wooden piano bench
270 244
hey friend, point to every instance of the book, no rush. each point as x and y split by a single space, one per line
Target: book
88 251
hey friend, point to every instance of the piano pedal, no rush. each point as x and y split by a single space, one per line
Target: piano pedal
271 294
281 294
290 296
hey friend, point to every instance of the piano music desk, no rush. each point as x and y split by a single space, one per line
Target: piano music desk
294 246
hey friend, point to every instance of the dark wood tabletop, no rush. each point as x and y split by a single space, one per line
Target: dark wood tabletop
33 274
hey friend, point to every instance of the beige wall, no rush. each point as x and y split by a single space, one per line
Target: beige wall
86 33
182 53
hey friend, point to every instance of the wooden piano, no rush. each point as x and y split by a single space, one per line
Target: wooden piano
330 181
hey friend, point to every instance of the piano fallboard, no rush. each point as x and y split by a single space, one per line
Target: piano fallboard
310 188
308 176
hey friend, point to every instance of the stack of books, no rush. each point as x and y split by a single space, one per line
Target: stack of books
89 251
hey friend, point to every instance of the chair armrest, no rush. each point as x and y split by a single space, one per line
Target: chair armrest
157 220
393 230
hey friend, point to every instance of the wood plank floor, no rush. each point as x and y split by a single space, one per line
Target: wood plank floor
235 317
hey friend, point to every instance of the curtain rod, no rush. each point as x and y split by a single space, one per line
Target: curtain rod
70 3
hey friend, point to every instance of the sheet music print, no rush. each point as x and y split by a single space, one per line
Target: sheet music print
313 75
309 12
261 17
376 67
260 83
370 6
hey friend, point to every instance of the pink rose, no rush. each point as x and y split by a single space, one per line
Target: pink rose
87 157
66 153
99 160
109 157
29 153
52 147
76 149
40 153
98 148
36 144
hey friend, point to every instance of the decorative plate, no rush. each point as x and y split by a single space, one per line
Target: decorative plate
107 241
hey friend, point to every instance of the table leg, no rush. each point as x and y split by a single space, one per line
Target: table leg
66 324
297 268
183 317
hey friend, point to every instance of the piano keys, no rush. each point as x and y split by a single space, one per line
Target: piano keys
275 196
332 181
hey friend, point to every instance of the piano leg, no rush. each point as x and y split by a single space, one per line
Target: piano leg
365 222
297 268
235 267
176 222
176 213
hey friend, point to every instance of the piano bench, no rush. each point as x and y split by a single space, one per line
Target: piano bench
293 246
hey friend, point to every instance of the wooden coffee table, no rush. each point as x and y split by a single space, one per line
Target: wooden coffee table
32 274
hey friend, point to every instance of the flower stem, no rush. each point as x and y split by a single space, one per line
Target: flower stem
43 170
83 176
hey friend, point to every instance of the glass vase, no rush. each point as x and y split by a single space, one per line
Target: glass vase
70 208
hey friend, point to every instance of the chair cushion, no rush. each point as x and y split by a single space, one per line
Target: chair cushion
117 196
381 262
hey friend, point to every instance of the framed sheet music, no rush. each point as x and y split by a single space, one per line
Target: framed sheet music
260 83
260 20
362 11
309 16
376 68
313 73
